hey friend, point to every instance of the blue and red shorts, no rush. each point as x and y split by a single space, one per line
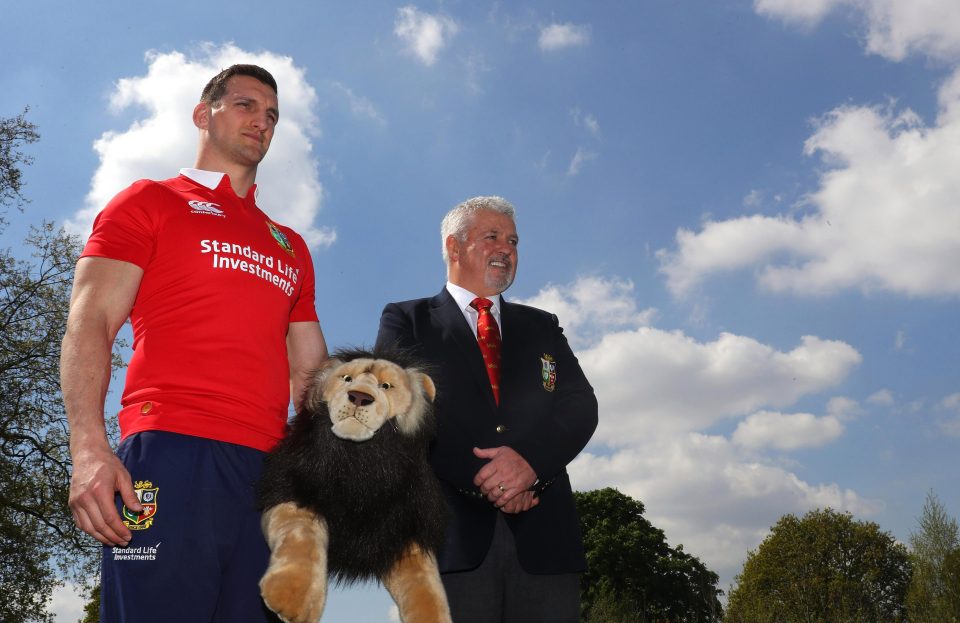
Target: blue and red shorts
197 552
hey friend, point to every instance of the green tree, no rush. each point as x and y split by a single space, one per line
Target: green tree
951 575
39 543
91 609
632 574
932 597
15 133
824 567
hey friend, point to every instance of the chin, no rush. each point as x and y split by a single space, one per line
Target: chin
499 285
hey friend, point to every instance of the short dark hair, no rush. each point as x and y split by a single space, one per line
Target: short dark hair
213 92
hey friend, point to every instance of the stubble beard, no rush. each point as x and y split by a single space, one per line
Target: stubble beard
500 282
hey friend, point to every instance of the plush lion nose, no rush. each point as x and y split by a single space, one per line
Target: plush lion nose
360 399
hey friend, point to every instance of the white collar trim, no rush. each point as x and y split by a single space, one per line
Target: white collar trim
210 179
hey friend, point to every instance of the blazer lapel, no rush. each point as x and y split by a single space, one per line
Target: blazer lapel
458 337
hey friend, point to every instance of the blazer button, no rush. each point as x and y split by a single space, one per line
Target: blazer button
500 428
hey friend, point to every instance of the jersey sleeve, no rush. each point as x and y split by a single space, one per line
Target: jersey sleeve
304 308
126 228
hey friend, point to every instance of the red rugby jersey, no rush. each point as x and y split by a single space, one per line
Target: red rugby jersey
221 284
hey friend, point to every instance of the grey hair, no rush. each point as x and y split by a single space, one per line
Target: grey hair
458 220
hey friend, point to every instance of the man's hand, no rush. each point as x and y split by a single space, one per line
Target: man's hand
97 477
504 478
520 503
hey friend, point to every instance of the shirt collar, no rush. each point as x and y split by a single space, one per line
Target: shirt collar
211 179
464 297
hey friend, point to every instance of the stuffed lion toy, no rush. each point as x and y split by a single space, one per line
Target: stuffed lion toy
349 491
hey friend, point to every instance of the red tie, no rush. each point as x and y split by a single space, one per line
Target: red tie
488 336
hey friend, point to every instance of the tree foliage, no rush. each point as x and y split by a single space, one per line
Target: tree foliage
39 543
15 133
37 535
934 595
825 567
633 575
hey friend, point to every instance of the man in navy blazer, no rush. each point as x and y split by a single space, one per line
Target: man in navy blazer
513 549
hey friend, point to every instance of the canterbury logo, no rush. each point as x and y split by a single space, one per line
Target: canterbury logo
205 207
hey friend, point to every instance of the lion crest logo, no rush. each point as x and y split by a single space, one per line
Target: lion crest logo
147 494
281 238
548 372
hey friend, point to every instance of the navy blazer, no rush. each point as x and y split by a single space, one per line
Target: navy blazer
547 413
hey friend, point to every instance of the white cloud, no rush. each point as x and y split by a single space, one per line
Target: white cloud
162 139
475 66
67 603
558 36
586 120
894 28
881 398
843 408
592 306
678 384
786 431
582 156
951 423
806 12
885 216
360 105
900 340
753 199
660 392
706 493
423 34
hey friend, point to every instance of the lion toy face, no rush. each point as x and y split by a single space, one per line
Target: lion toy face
364 394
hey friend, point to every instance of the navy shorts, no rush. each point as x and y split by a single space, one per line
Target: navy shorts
197 552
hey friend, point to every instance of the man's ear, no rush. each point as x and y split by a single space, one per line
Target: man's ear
201 115
453 247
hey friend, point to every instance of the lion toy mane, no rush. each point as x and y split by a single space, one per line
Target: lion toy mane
349 492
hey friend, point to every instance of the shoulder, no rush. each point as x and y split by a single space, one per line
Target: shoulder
410 307
147 192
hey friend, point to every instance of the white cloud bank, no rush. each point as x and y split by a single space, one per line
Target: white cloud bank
423 34
785 431
162 138
663 394
559 36
886 215
894 28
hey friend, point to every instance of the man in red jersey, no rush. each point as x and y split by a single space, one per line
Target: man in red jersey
221 302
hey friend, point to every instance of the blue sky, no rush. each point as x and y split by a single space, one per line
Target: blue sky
746 214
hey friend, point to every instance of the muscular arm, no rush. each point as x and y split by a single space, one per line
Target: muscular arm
306 350
103 294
